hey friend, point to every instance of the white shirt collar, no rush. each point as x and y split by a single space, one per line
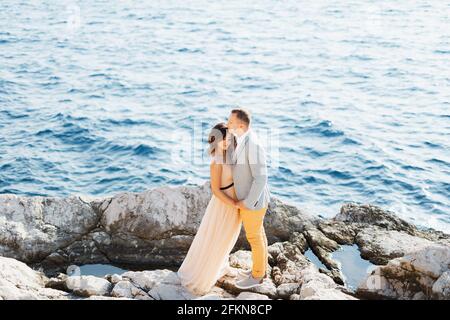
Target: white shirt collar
242 138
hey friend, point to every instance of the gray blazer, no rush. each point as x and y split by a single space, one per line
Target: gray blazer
250 173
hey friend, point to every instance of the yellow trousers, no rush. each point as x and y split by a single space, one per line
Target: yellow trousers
256 236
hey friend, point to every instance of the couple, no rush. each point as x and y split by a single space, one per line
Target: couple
240 195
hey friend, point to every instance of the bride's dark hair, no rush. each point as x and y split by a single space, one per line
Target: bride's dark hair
217 134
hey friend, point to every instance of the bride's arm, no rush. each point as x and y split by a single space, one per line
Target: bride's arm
216 177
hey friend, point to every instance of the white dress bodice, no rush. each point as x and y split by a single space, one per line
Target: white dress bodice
227 178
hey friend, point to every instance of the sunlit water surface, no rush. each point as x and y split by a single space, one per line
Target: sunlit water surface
350 98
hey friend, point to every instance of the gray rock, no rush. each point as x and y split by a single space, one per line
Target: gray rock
106 298
366 214
125 289
441 288
31 228
318 286
20 282
216 293
58 283
147 280
285 290
379 246
115 278
341 232
432 261
288 262
329 294
160 284
86 286
165 291
241 259
411 276
373 215
251 296
282 220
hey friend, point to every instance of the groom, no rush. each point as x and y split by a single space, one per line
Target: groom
250 183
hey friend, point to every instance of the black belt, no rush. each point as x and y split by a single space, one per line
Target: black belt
227 187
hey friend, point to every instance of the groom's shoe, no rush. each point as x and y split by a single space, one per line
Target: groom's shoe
249 283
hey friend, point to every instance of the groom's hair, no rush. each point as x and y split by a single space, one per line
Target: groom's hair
242 115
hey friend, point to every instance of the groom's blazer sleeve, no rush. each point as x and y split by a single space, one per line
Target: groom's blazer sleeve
258 167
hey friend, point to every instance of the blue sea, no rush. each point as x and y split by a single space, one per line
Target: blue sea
351 98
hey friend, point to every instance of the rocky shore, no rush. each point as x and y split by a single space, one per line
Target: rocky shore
40 237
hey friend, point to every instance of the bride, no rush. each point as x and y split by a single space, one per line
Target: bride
207 258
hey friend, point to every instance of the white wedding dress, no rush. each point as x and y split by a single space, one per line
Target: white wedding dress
207 258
